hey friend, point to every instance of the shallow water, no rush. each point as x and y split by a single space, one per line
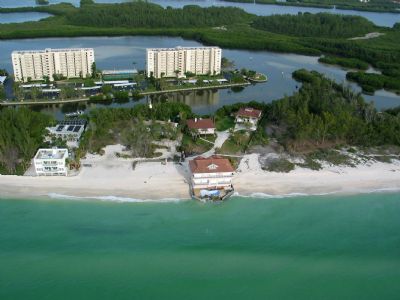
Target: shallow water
326 247
22 17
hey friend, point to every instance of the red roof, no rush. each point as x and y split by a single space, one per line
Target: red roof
212 164
249 112
200 123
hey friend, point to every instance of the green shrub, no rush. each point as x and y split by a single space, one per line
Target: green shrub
280 165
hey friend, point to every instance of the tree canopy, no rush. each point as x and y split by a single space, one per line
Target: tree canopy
143 14
315 25
323 112
21 134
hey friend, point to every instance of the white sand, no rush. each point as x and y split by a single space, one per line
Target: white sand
251 179
112 176
108 176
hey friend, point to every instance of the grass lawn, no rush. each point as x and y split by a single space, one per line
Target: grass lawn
259 76
210 138
196 146
236 143
224 123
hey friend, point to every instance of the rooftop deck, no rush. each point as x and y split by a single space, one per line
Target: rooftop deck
51 154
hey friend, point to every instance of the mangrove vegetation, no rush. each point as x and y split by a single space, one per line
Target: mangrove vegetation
228 27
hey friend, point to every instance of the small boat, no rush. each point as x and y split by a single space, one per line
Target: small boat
74 114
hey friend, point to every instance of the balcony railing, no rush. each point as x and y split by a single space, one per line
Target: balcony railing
213 176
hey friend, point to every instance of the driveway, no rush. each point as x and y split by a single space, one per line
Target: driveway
222 136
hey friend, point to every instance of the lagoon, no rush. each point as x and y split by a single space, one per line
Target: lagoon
381 19
129 52
22 17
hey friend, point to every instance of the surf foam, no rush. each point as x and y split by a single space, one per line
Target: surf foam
113 198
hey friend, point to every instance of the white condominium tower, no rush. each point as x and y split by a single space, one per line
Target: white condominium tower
197 60
36 64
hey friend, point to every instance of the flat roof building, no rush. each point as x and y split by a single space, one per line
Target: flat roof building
176 62
38 64
51 162
69 131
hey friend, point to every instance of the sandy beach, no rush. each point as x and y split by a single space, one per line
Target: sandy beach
113 178
252 180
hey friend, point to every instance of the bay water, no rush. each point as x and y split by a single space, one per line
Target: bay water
130 52
381 19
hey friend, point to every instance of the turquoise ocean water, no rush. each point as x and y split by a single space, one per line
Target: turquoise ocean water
320 247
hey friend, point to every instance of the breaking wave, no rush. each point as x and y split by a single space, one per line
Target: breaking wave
338 193
113 198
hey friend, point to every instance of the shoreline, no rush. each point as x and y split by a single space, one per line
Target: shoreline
112 179
142 94
125 199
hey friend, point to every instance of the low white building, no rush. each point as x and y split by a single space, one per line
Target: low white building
69 131
211 176
249 117
51 162
201 126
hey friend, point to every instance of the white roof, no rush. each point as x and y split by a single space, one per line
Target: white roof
116 72
88 88
67 129
182 48
33 85
125 84
2 79
51 90
51 50
53 153
113 82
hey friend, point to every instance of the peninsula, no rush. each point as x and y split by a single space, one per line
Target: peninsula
361 5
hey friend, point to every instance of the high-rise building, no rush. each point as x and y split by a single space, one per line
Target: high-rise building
176 62
37 64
